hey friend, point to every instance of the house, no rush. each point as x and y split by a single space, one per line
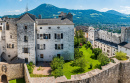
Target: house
34 39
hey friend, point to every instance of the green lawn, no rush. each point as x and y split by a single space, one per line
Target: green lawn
69 70
17 81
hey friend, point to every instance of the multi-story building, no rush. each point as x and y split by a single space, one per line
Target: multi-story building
32 39
110 42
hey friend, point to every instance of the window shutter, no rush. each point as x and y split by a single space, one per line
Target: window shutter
55 46
44 46
49 36
23 50
61 46
37 46
37 36
28 50
61 35
55 35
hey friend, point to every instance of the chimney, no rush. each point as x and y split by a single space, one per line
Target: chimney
40 16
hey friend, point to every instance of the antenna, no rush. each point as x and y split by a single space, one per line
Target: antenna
26 8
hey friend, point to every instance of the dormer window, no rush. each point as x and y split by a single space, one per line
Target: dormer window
40 27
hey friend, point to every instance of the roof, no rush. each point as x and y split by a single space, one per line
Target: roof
32 16
55 21
114 45
125 44
83 28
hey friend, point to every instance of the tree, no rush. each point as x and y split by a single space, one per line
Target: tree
96 52
88 45
77 53
81 62
57 63
57 66
121 55
103 59
81 34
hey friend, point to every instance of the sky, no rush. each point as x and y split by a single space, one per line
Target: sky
11 7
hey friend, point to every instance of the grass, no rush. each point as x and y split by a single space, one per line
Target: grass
17 81
69 70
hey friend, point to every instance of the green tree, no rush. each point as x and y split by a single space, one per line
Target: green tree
88 45
96 52
57 72
81 34
77 53
121 55
103 59
57 63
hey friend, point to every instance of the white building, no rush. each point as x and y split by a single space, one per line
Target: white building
30 39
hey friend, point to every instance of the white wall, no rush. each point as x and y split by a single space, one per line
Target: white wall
67 41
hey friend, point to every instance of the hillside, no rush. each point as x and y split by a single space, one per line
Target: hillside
81 17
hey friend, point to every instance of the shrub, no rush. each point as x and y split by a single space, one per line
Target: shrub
121 55
77 53
103 59
96 52
30 67
91 66
81 44
88 45
57 72
98 66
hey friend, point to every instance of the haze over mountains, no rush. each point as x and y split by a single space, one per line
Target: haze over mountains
81 17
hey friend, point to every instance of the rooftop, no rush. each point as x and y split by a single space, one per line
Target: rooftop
55 21
125 44
107 43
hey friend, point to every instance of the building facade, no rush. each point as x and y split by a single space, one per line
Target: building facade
110 42
32 39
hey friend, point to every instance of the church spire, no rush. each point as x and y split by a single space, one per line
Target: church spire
26 8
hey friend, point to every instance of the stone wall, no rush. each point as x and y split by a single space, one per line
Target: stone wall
12 71
26 74
112 73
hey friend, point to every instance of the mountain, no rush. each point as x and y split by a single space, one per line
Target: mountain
116 13
81 17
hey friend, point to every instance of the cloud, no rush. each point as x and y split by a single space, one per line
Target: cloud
14 11
125 9
106 9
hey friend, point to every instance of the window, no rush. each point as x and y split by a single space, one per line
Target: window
25 39
11 36
1 23
41 46
37 46
41 55
58 55
40 27
59 36
49 27
7 26
25 27
0 27
12 45
58 27
7 45
58 46
37 36
25 50
108 51
46 36
8 55
26 60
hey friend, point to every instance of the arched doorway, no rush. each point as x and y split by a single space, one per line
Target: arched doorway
4 79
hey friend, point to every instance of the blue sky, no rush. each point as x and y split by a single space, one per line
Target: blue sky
10 7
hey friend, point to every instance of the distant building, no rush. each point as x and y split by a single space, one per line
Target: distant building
32 39
110 42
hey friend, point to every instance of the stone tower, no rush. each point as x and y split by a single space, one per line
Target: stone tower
125 34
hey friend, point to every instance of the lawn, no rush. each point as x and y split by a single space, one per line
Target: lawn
69 70
17 81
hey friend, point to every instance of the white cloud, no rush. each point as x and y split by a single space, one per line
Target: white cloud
14 11
125 9
106 9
